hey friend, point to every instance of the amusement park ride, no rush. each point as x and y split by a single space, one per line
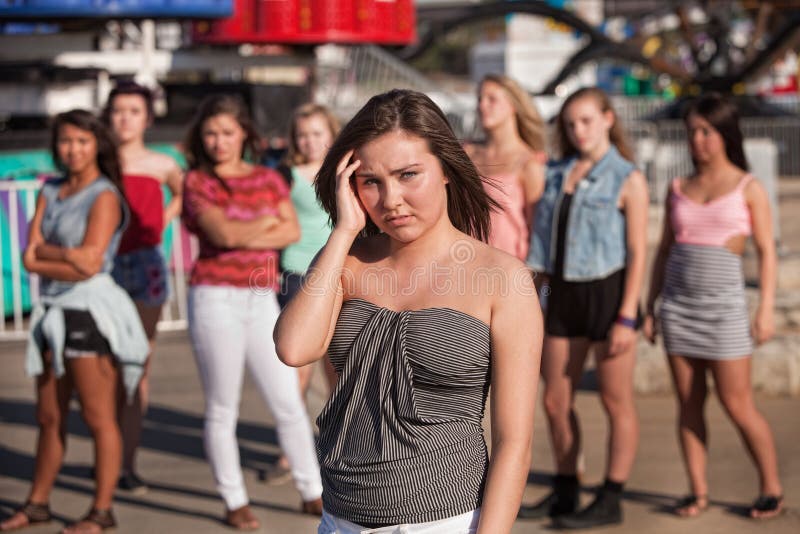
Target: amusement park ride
71 50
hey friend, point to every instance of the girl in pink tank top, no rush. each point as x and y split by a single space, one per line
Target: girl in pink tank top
511 159
702 314
712 223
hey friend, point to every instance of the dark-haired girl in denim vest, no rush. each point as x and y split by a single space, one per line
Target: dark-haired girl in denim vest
589 240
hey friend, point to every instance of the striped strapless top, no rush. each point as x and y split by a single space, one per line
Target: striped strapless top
401 439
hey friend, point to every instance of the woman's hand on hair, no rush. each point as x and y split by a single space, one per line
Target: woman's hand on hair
764 324
350 214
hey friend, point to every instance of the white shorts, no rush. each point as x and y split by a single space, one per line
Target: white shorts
460 524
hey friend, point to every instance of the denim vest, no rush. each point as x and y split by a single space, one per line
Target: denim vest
596 238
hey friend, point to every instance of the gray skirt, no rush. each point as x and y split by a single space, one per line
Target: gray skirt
703 310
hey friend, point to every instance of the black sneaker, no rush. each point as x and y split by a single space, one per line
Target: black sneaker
604 510
132 483
553 505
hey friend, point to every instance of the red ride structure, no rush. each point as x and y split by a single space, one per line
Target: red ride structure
388 22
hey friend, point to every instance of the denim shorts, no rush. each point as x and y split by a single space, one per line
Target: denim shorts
143 274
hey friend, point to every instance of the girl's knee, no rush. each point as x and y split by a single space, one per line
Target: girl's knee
557 405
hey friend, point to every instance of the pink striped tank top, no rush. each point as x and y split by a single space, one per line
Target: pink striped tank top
712 223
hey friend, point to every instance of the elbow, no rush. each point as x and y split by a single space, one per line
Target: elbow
290 354
294 351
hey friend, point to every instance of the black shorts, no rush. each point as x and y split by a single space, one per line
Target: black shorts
82 338
584 309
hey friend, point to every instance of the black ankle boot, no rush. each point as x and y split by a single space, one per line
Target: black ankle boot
606 509
562 500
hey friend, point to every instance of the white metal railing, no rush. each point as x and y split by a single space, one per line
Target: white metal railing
347 76
21 284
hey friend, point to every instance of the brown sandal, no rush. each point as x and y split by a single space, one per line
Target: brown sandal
101 518
35 514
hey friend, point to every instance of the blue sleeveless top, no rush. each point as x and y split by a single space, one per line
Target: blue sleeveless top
65 220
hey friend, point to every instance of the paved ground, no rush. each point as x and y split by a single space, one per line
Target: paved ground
182 497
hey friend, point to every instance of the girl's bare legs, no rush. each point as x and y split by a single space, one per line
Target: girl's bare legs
130 416
615 376
52 405
732 379
562 366
95 379
689 380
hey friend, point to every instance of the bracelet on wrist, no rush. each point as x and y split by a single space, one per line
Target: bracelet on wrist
626 321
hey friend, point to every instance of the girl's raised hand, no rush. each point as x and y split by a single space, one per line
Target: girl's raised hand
350 215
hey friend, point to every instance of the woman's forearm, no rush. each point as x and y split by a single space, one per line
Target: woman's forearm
634 277
304 327
768 267
46 251
283 233
172 209
505 483
226 233
656 281
56 270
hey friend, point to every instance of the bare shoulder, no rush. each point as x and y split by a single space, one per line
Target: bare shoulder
636 179
509 277
159 165
754 190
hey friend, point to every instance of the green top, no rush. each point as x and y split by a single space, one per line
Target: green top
314 226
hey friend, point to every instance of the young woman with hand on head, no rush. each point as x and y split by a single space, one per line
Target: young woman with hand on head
139 266
242 215
703 313
420 318
589 239
512 156
85 331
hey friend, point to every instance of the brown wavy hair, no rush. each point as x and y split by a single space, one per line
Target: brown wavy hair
468 205
616 134
530 126
107 157
293 156
213 105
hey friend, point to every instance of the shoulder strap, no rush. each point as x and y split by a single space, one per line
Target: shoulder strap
746 179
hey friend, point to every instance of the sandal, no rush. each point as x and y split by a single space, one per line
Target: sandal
102 519
691 505
242 519
767 507
34 514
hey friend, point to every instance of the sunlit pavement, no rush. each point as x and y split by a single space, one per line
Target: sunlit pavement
182 496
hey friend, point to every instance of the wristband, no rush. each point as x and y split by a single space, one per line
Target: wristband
626 321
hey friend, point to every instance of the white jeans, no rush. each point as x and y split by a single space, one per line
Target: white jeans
459 524
229 327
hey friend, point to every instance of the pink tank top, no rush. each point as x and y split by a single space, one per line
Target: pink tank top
509 232
712 223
